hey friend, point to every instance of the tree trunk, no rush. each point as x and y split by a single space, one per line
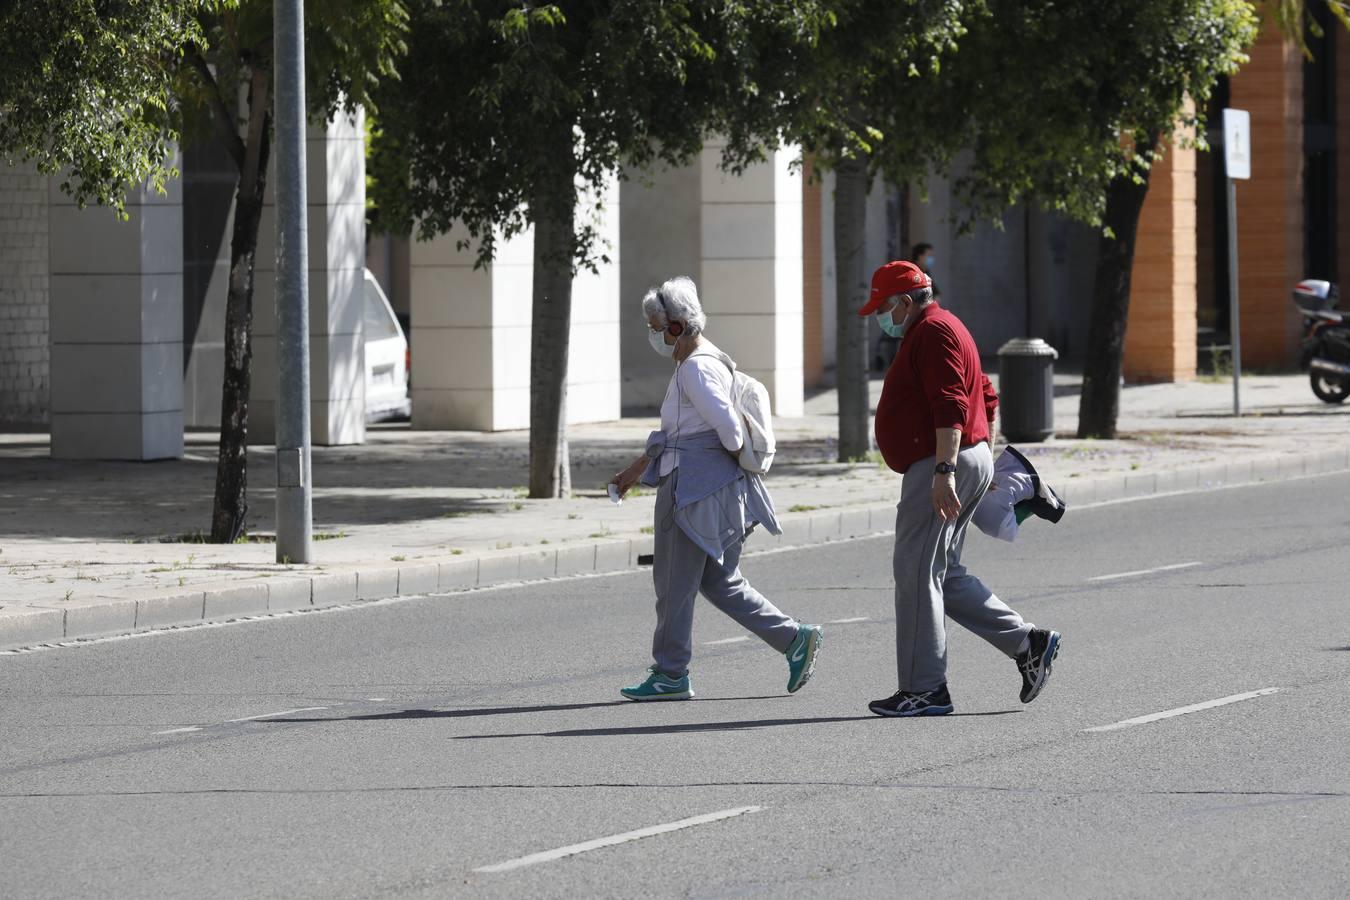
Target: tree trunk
231 501
554 240
851 290
1099 405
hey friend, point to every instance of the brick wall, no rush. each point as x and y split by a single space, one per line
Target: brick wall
23 296
1270 205
1160 338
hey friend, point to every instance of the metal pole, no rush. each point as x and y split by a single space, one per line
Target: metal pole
1233 324
294 500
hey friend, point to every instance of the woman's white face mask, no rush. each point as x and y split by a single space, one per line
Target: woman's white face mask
658 342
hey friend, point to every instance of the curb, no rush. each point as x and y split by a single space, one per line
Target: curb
30 626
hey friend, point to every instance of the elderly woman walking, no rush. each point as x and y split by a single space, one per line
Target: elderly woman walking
706 504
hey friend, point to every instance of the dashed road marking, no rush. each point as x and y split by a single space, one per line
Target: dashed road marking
273 715
573 849
180 730
735 640
1182 710
850 621
1171 568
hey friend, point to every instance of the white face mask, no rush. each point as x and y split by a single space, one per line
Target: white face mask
658 342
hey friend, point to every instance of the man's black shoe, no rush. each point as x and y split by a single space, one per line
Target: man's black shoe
1044 503
936 702
1036 662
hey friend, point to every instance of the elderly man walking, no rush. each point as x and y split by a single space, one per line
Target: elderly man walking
934 425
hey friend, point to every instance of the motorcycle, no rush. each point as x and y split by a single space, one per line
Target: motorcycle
1326 340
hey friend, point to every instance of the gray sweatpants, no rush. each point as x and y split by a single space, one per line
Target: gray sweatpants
680 570
930 580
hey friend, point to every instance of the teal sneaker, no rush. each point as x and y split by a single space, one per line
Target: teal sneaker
659 686
801 656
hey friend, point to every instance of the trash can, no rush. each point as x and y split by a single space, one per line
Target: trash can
1026 389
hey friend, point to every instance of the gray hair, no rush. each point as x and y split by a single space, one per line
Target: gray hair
920 296
677 299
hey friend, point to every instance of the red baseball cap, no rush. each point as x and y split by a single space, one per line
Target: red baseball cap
899 277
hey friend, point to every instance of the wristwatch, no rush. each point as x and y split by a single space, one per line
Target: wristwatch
945 468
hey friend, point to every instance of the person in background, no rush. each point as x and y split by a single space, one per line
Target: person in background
706 504
934 426
887 343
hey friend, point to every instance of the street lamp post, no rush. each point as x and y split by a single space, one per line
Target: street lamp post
294 497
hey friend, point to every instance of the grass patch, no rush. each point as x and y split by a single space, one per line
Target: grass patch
399 558
329 535
647 529
803 507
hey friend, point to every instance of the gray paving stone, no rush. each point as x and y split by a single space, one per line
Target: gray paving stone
855 522
234 601
333 589
610 556
639 547
23 626
99 617
1141 484
176 609
458 575
795 532
823 527
376 583
536 564
498 568
289 593
881 518
419 578
579 559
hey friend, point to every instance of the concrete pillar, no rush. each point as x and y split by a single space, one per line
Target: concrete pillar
751 252
659 215
471 331
1160 335
336 190
117 327
1270 205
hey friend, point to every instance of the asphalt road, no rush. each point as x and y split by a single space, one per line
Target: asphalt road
407 745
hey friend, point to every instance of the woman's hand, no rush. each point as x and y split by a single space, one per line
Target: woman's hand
631 475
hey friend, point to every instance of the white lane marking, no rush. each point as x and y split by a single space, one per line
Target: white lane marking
735 640
180 730
1182 710
377 699
850 621
1171 568
573 849
284 712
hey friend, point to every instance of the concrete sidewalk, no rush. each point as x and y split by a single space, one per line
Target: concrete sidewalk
93 549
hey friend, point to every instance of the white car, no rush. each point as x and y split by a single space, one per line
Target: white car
386 357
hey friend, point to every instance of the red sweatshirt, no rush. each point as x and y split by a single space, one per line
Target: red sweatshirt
934 382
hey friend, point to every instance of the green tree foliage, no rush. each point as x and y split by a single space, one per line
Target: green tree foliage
86 89
516 111
106 88
850 103
1067 105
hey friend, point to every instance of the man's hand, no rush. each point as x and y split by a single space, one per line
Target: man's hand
945 502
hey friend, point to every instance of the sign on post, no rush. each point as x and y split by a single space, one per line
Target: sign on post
1237 160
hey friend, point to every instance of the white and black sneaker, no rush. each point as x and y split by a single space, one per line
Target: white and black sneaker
1035 664
936 702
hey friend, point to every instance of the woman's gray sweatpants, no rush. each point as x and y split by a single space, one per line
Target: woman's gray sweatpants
680 570
930 580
